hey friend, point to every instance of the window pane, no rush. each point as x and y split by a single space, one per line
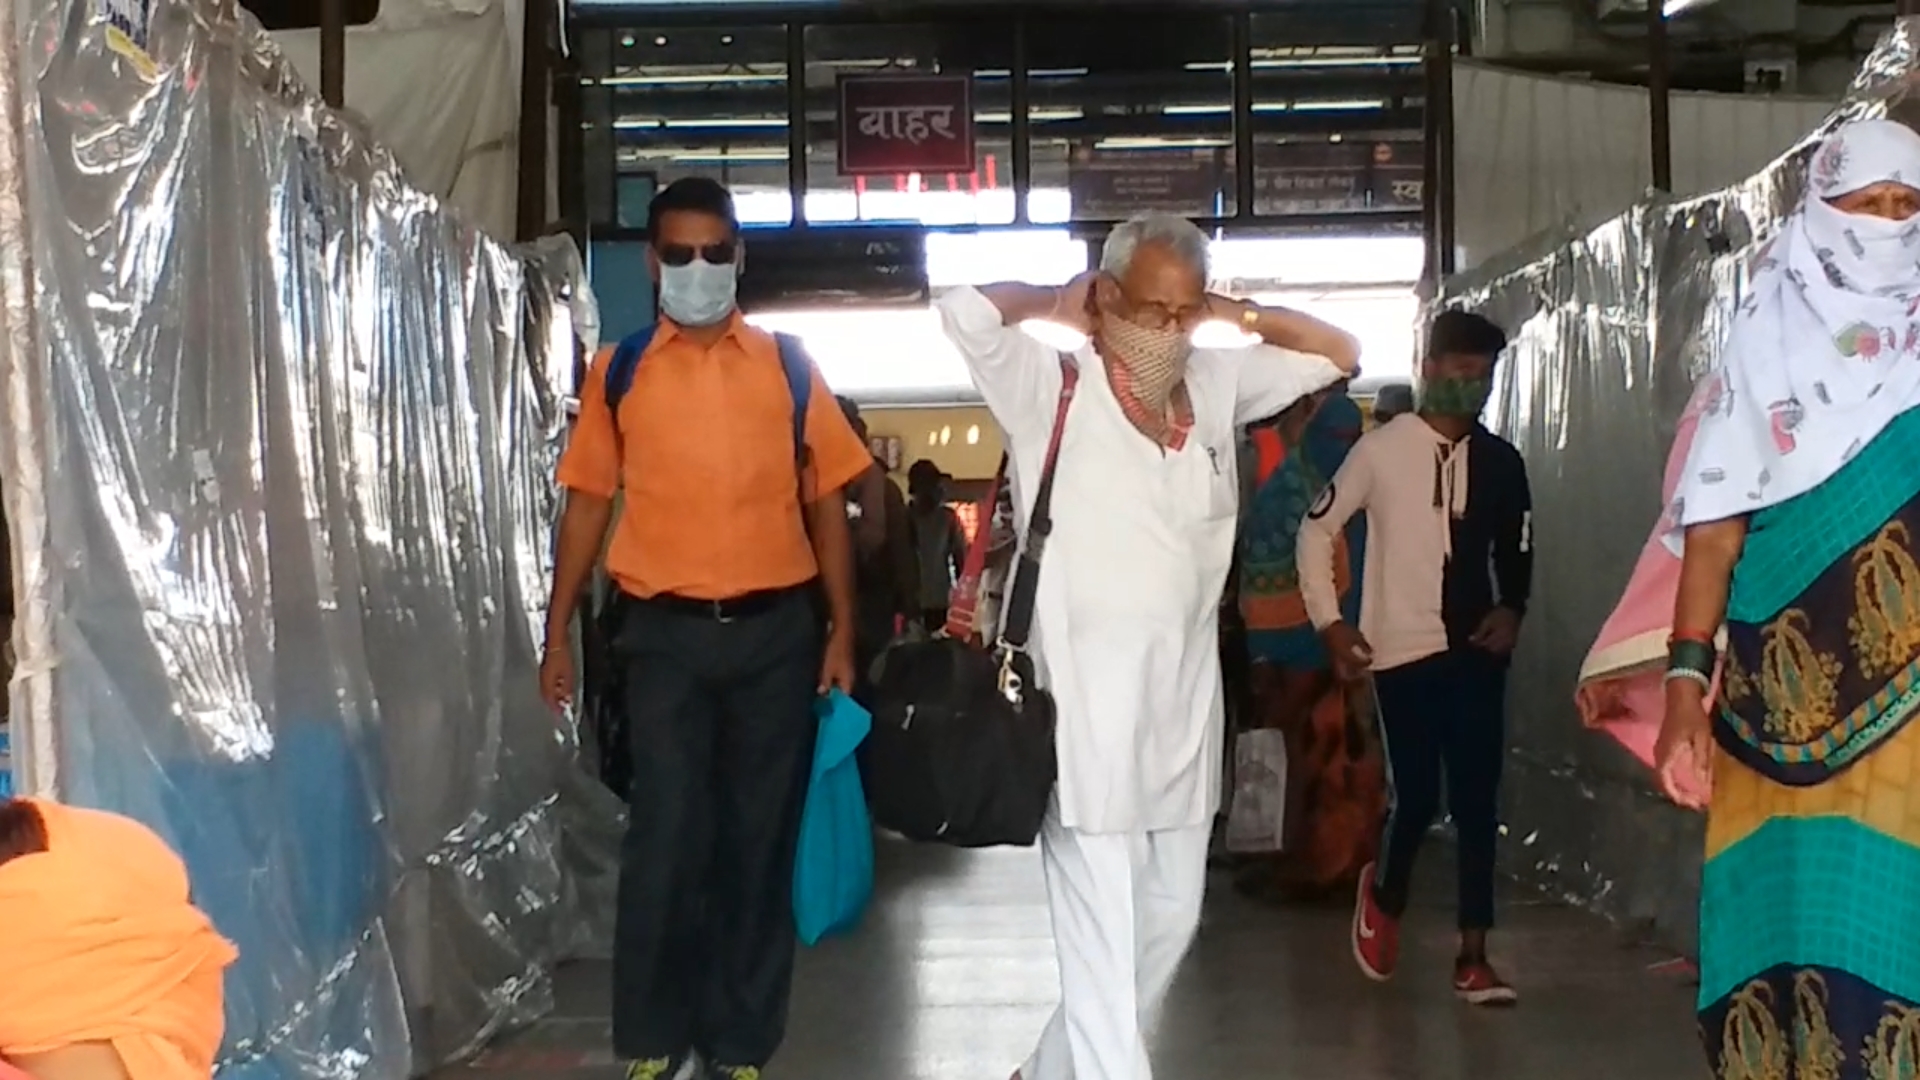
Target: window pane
633 194
1035 256
1131 122
694 101
1336 117
623 286
1245 265
983 51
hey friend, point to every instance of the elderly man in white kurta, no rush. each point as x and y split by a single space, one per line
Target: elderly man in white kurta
1125 630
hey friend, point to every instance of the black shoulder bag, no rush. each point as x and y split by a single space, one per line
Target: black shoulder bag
962 747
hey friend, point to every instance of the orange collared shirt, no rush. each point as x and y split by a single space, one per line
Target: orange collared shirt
704 456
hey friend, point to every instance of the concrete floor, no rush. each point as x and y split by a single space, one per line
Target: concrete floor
952 978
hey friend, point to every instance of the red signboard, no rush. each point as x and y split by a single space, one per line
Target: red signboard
893 124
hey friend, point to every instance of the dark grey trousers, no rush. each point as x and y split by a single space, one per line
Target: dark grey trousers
721 722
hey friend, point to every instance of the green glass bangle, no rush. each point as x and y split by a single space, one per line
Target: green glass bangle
1695 656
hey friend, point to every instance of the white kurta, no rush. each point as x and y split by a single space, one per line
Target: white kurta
1126 621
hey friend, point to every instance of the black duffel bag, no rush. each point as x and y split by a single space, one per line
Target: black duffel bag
962 747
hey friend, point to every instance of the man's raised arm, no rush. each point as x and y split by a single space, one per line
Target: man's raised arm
1013 372
1019 302
1295 331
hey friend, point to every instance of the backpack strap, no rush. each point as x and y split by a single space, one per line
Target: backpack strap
620 369
798 368
794 365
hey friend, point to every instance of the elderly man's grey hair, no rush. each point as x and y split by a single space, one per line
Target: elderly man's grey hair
1169 230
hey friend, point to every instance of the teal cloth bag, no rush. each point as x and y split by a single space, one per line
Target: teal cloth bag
833 868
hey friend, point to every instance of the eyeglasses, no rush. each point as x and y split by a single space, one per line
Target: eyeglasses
720 254
1161 317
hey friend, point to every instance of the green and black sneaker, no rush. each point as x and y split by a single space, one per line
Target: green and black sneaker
661 1069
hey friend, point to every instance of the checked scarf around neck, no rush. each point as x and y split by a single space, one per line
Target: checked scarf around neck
1147 368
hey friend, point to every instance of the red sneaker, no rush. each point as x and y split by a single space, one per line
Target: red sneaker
1476 983
1376 935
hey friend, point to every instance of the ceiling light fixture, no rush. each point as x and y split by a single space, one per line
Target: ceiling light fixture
1148 142
1038 116
717 78
1339 106
727 157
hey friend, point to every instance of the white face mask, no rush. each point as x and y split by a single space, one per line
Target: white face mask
1872 253
699 293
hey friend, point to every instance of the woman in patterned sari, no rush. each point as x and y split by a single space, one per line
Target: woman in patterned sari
1800 503
1336 782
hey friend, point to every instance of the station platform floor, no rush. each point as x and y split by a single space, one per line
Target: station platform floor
952 978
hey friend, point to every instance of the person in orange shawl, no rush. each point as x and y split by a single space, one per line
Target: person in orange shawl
1336 784
107 970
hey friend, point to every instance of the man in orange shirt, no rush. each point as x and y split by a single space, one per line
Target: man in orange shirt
725 542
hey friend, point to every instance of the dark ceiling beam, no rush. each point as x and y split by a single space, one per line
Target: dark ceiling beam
305 14
1330 222
827 12
1338 22
770 98
1723 72
1355 122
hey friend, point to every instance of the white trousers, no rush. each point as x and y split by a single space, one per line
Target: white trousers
1125 907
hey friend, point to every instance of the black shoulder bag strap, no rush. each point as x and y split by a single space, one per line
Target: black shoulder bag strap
1018 625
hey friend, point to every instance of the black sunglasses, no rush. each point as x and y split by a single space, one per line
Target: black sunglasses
720 254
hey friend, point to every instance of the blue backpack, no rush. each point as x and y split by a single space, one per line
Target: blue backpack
793 363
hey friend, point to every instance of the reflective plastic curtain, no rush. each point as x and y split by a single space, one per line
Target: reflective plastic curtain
1610 328
278 457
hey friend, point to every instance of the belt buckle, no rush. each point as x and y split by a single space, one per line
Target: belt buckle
720 612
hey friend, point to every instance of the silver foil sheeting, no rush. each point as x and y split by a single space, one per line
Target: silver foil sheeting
278 459
1610 328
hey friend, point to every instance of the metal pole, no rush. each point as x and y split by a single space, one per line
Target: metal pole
1243 174
333 52
536 84
570 168
1659 103
1435 123
1019 99
1443 154
797 123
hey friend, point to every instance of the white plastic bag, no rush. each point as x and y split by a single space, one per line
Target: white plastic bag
1256 821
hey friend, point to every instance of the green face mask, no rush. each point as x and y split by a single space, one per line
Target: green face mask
1455 397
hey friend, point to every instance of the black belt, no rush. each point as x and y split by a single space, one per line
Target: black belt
744 606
